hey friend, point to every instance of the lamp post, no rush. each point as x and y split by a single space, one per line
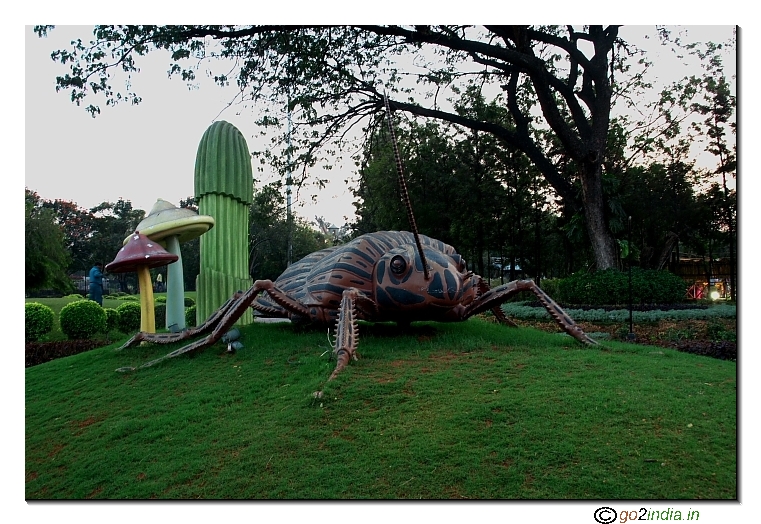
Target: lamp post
631 335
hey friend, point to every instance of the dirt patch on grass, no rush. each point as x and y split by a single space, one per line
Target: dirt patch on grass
41 352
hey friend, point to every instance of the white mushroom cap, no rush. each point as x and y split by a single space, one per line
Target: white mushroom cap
165 220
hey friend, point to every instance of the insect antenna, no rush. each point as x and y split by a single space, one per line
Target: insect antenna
403 190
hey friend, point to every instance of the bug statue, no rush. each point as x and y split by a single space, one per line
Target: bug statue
396 276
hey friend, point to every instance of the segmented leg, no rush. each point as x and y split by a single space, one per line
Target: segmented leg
347 335
168 338
221 321
498 295
483 287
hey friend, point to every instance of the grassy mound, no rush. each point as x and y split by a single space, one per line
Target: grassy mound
469 410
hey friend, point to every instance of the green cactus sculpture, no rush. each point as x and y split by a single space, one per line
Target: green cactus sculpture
223 190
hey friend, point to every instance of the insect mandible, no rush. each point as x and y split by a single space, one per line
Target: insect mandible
396 276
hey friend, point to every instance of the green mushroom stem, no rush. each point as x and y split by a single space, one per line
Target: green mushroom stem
175 288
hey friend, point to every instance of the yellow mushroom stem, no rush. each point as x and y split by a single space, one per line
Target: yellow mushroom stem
147 312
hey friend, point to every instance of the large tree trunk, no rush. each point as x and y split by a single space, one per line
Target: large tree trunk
603 243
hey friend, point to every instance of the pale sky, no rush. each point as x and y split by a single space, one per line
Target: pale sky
145 152
139 153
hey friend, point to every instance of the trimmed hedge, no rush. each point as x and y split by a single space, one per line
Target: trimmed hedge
82 319
112 318
611 286
129 317
38 321
159 313
190 316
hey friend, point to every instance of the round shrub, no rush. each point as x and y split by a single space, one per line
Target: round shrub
76 296
38 321
129 317
130 298
190 316
611 287
160 315
112 318
160 299
189 302
82 319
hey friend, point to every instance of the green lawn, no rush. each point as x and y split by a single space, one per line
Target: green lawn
468 410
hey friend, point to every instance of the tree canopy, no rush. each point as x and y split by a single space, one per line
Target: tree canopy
555 87
558 78
46 256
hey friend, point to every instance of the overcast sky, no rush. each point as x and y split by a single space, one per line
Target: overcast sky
144 152
139 153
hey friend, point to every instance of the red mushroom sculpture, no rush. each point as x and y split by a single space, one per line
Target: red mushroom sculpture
140 254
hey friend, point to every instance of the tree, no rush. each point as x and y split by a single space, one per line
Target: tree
718 110
465 190
46 258
268 234
661 200
333 77
113 222
77 225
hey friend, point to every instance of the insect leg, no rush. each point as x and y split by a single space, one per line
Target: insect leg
347 335
483 287
498 295
224 319
168 338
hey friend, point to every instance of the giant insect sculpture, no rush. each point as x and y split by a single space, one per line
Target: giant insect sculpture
384 276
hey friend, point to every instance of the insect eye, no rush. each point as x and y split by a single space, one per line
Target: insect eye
398 265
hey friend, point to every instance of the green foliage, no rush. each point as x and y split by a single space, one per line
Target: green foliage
46 257
129 298
129 317
717 331
190 316
466 189
75 296
269 232
551 287
282 63
189 302
112 318
159 312
159 299
38 321
611 286
82 319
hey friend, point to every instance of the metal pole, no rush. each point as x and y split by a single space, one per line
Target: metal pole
288 182
631 335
